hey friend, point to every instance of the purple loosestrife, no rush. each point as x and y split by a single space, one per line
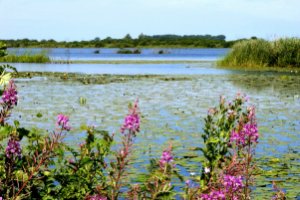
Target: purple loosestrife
13 149
248 134
96 197
214 195
233 184
63 122
166 158
10 95
132 120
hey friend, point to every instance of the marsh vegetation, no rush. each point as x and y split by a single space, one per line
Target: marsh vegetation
258 53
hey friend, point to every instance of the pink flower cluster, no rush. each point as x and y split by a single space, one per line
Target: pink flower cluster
10 95
166 158
214 195
248 134
13 148
96 197
231 188
132 120
233 184
63 121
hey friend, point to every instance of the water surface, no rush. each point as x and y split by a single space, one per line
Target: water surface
205 54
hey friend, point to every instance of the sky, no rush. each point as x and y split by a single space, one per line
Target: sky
86 19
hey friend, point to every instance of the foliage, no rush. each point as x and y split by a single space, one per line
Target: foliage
77 172
284 52
3 48
129 42
25 58
129 51
219 123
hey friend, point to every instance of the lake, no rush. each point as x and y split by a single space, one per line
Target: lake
172 109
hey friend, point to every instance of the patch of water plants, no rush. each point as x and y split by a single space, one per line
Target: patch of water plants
96 78
39 164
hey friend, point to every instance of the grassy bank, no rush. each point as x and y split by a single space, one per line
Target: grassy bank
260 53
25 58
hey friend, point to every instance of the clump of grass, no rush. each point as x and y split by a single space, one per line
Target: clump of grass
284 52
26 58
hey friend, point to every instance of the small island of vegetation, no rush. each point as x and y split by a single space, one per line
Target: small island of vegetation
129 51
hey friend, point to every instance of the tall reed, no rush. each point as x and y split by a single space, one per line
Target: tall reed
284 52
25 58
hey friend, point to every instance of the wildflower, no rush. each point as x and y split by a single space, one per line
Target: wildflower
233 184
212 111
71 161
188 183
251 114
132 120
166 158
96 197
63 121
241 97
249 133
206 170
13 149
9 96
214 195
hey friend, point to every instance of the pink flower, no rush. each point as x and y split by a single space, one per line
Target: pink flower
166 158
63 121
13 148
10 95
214 195
96 197
249 133
132 120
233 184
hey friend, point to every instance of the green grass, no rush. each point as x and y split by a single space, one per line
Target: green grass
282 53
26 58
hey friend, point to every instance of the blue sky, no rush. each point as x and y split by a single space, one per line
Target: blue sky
87 19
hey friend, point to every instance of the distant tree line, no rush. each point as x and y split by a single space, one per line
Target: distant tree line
142 40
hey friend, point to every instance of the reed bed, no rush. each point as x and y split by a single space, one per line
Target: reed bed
284 52
25 58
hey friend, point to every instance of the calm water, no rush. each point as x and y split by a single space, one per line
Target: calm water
111 54
128 69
